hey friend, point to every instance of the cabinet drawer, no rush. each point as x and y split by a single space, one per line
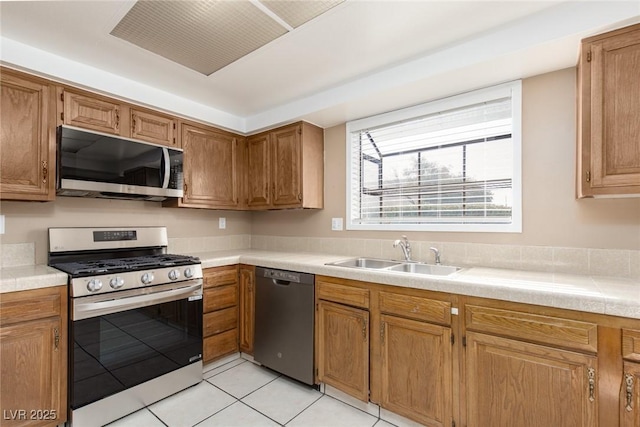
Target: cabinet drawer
220 276
343 294
532 327
33 304
219 345
220 321
631 344
418 308
218 298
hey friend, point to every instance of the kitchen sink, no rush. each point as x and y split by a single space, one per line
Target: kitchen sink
365 263
415 267
396 266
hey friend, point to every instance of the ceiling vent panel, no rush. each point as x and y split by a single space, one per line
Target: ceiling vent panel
297 12
202 35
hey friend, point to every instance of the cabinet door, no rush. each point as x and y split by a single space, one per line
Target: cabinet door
27 140
512 383
258 171
31 355
614 107
247 308
416 370
630 398
153 127
91 113
287 166
210 168
343 348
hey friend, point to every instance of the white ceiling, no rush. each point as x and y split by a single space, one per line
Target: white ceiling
359 58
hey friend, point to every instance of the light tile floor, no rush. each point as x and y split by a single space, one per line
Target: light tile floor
243 394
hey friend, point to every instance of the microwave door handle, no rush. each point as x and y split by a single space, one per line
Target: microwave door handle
167 168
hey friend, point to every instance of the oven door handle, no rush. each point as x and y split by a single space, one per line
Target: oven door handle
85 310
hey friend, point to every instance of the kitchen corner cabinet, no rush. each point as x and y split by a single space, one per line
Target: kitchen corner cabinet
211 169
608 111
285 168
247 307
33 357
220 311
27 137
342 337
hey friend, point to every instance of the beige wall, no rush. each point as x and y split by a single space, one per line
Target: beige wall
551 214
27 222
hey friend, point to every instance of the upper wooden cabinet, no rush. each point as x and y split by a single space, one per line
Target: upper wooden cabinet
285 168
102 114
27 137
153 127
608 114
211 169
91 112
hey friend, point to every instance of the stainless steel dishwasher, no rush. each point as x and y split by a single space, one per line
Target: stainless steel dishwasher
284 322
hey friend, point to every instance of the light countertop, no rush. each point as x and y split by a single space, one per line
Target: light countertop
594 294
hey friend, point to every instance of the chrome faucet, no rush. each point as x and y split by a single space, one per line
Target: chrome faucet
436 252
405 246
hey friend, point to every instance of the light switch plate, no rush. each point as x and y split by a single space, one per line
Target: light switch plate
1 224
336 224
222 223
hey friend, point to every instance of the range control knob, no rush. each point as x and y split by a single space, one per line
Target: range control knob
174 274
94 285
116 283
188 273
147 278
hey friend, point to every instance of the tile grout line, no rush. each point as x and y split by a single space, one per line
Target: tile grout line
307 407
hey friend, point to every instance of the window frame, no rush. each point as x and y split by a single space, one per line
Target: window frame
510 89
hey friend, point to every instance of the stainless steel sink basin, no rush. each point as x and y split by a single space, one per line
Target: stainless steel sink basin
398 266
365 263
436 270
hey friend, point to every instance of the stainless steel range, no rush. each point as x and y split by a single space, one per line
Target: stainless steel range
135 314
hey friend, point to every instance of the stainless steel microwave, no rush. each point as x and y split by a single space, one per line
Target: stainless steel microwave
95 164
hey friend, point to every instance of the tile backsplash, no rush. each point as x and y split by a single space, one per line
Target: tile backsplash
595 262
584 261
17 254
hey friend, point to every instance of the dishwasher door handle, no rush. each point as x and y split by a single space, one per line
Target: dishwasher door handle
281 282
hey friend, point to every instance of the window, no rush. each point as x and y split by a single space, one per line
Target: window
448 165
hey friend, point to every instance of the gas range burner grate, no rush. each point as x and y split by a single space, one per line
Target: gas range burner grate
117 265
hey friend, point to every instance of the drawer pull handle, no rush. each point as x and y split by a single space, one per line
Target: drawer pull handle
56 338
591 375
364 328
628 379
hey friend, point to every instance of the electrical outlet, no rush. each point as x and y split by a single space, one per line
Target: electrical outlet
336 224
222 223
1 224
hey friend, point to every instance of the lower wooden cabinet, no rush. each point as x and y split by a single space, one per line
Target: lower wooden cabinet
33 357
220 308
416 370
343 348
630 395
247 308
513 383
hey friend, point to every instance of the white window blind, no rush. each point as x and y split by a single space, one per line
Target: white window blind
452 164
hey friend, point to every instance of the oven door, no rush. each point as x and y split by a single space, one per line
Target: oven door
123 339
